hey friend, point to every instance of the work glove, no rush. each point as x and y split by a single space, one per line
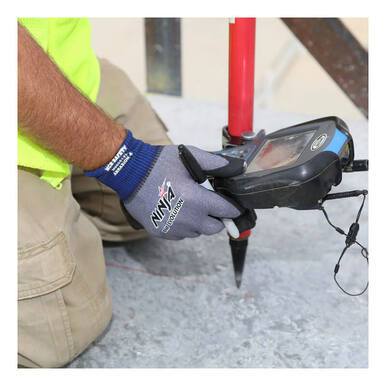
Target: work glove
159 193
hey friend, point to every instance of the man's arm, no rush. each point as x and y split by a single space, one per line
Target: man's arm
54 113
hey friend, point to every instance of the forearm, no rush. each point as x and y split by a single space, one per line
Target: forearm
57 115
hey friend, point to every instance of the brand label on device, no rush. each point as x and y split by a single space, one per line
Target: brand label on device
318 142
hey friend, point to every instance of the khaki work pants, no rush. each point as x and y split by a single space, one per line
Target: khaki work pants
64 301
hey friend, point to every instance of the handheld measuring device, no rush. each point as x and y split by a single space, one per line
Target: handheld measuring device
296 167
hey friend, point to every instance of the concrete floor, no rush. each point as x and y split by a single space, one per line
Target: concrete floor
176 305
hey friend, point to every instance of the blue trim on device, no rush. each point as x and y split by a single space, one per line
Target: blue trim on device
337 142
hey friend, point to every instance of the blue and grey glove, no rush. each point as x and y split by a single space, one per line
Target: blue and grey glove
159 193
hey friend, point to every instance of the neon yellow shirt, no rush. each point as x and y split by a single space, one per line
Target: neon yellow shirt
68 42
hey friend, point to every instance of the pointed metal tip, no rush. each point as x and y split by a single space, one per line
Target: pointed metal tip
239 250
238 279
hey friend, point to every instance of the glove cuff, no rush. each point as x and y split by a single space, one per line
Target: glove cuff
128 169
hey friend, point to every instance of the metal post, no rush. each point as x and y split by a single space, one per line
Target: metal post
163 55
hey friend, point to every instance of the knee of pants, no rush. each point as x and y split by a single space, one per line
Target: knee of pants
53 346
61 312
58 322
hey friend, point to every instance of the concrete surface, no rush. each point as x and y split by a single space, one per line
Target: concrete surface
176 305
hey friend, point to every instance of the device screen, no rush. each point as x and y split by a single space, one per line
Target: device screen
278 152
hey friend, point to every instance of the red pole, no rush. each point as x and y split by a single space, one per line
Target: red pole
241 75
241 78
240 108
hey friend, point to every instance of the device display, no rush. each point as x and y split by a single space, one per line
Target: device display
282 151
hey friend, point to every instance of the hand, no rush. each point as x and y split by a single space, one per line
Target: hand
166 201
173 206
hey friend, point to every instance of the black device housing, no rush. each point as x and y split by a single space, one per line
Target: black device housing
302 183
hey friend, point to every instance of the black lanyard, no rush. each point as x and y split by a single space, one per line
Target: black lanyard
350 236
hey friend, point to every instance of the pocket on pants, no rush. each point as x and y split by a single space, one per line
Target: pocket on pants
44 330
